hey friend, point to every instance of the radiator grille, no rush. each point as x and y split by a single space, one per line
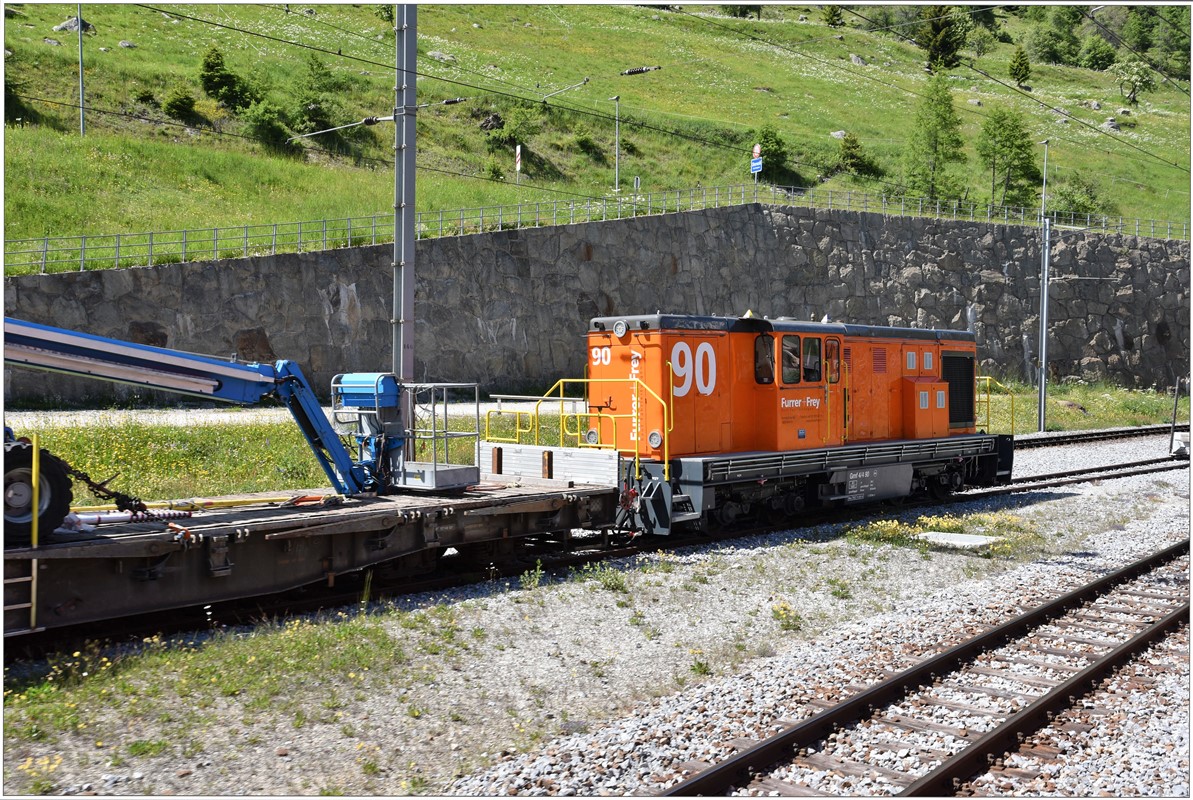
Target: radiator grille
957 369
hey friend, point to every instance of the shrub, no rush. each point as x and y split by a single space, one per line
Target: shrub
1096 53
493 170
1080 194
146 98
584 142
266 122
980 41
224 85
519 125
179 103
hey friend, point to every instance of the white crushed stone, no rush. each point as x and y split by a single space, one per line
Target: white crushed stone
577 689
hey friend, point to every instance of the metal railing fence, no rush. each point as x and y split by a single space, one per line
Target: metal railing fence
108 251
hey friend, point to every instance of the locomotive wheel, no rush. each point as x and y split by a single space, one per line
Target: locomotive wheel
731 512
54 493
793 503
939 486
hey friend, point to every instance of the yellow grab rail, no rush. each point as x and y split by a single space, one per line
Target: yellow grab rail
533 427
518 429
988 381
35 467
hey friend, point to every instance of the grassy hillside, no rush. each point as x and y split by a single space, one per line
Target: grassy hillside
695 120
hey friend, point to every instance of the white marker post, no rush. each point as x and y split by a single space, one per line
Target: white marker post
518 164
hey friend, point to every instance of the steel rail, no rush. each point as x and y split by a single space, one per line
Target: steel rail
946 778
1037 482
738 769
1061 439
1113 468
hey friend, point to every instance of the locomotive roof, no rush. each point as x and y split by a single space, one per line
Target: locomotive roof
763 325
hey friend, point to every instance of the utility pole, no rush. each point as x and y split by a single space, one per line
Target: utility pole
79 19
616 142
1045 257
406 43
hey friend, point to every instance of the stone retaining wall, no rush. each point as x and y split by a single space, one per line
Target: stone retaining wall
509 309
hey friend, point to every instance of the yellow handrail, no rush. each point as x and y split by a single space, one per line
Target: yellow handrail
988 381
35 467
578 434
533 425
518 429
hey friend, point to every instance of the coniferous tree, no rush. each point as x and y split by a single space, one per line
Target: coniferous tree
942 35
832 16
935 143
1020 68
1005 146
223 84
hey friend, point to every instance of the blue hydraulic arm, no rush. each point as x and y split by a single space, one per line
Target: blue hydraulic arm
58 350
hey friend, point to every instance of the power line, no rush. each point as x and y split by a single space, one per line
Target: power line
1157 15
379 161
1123 43
629 121
918 94
778 46
488 90
635 123
1093 128
175 124
376 43
1051 108
1112 178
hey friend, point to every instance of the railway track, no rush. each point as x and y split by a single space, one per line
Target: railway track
927 730
1053 480
1082 437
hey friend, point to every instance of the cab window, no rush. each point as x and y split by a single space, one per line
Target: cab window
832 356
790 359
764 358
811 359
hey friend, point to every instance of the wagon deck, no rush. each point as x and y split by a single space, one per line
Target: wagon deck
235 551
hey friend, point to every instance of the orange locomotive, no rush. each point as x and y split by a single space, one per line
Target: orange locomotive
727 415
714 419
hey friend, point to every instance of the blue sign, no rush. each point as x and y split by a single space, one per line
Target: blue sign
755 165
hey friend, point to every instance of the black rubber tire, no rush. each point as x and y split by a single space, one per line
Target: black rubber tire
54 494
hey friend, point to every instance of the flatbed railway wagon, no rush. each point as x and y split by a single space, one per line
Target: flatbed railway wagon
395 504
704 421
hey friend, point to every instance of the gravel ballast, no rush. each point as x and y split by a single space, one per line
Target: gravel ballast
606 682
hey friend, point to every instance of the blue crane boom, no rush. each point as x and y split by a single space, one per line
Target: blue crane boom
58 350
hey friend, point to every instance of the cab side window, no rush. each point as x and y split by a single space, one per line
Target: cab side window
832 356
812 359
764 358
790 359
